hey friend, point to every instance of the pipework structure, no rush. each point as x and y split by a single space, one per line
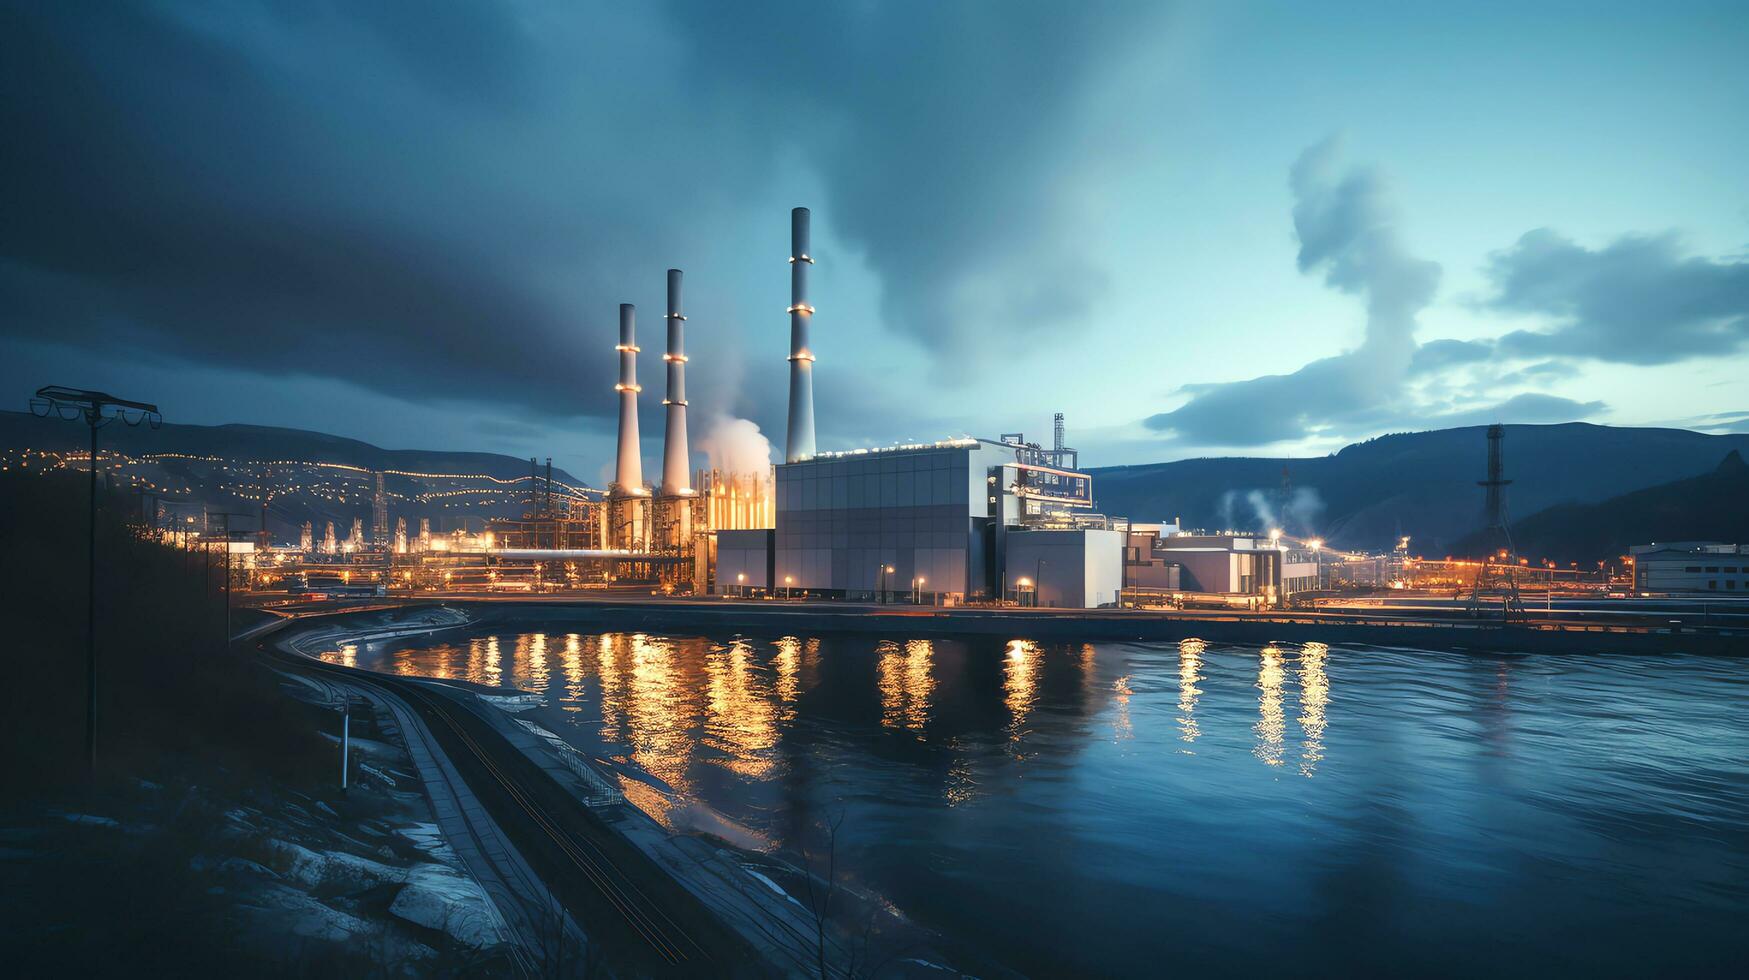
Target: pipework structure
800 443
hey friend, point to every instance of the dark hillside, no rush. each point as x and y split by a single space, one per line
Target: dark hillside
1710 507
1422 484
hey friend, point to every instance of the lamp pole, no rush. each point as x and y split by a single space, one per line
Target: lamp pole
1038 581
225 530
97 409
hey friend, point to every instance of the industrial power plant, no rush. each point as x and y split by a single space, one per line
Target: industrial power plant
988 521
946 522
962 520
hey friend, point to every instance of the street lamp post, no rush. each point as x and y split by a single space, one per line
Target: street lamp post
881 598
789 591
741 584
98 410
1038 577
226 532
917 591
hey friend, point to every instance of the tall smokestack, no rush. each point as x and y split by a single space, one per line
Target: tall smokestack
676 464
800 445
629 473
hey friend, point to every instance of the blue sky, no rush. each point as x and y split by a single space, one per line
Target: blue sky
1195 229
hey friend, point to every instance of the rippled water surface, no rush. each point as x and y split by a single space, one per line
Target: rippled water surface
1129 808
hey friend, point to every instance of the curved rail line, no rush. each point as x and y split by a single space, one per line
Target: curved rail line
645 917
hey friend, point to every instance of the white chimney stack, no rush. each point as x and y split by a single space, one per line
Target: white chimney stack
676 465
629 473
800 444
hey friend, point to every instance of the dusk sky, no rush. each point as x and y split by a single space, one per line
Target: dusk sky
1196 229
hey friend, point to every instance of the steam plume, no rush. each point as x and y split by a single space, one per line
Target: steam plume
735 445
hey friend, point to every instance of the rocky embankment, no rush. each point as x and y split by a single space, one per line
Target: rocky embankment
228 871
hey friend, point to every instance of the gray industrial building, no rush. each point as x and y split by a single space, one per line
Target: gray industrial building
844 519
1691 566
1065 568
935 522
979 519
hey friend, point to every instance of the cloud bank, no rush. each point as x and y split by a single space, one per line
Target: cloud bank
1638 300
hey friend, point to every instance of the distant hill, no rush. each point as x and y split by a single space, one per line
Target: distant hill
1422 484
287 476
1710 507
23 430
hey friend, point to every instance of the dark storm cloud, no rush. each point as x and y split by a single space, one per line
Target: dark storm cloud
942 132
1638 300
252 185
421 198
1347 231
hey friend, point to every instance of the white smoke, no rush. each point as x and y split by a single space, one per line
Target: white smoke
1303 509
1347 227
1266 517
1298 516
736 445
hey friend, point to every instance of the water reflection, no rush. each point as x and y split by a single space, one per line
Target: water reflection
1121 726
961 785
741 720
607 675
788 664
572 664
1314 695
654 706
1271 727
1020 684
905 680
1189 673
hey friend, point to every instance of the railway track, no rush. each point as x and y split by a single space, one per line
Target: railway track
648 923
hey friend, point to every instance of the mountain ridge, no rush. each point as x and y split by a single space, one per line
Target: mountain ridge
22 430
1421 484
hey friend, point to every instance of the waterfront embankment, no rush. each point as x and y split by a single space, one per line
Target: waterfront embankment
754 617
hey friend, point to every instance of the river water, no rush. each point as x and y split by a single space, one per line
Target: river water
1145 809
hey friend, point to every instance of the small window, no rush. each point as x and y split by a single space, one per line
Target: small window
1692 568
1730 583
1713 584
1712 568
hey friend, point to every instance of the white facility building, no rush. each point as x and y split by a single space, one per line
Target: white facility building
1691 566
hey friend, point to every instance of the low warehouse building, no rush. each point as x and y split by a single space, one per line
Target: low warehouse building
1073 569
744 561
1691 566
